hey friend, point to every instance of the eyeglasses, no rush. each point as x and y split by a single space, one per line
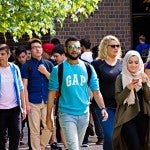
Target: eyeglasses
35 47
71 47
113 46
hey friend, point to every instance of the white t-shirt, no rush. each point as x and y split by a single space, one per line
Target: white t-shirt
87 56
8 95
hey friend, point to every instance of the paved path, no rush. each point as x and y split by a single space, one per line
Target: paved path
92 145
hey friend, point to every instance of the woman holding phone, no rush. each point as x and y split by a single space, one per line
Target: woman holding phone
131 127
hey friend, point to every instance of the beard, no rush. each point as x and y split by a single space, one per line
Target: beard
71 57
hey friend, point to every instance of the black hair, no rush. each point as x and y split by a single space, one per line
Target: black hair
58 49
86 43
55 41
142 38
95 52
19 50
72 38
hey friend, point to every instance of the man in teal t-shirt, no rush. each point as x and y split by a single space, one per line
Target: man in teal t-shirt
75 95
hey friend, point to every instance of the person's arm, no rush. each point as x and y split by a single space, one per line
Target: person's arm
120 93
25 83
99 100
147 71
146 86
44 71
50 116
22 96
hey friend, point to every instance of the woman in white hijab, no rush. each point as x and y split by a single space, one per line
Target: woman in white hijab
131 127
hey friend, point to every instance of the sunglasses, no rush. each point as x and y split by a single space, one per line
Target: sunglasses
113 46
72 47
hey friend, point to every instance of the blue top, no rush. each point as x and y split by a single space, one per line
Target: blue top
17 82
148 65
37 82
75 93
139 47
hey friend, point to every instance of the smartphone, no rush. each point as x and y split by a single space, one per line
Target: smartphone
135 80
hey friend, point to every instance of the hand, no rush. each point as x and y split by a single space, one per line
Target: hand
133 84
24 113
104 114
42 69
50 123
144 77
28 108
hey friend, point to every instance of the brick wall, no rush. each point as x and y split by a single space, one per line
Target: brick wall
112 17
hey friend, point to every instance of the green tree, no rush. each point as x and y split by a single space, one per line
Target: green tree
20 17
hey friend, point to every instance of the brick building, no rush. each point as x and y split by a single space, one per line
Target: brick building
126 19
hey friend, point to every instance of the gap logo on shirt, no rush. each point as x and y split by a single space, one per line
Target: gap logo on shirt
75 79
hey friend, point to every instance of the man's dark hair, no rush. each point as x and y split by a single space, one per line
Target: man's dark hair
95 52
33 40
58 49
19 50
86 43
5 47
55 41
72 38
142 38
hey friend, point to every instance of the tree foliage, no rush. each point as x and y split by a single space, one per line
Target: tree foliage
20 17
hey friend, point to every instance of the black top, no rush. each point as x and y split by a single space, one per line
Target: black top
107 75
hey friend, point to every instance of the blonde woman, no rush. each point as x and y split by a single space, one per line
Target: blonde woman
108 65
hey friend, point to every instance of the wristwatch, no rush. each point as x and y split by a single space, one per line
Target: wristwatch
103 108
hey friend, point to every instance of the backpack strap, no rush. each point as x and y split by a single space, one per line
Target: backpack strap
89 71
60 75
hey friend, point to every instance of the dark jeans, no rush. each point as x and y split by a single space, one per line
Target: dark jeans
107 126
10 122
98 126
134 132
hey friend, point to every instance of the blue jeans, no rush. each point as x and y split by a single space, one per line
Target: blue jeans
107 127
74 128
10 125
97 122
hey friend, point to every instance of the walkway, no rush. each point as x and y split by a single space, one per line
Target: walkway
92 145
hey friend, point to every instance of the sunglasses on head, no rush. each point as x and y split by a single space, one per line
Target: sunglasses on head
71 47
113 46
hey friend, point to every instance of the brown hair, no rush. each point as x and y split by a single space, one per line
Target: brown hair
5 47
33 40
142 38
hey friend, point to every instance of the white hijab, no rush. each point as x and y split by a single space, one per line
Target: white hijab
127 76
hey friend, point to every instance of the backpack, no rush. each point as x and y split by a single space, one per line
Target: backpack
60 74
145 52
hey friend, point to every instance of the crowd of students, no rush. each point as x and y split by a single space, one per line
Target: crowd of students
51 86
